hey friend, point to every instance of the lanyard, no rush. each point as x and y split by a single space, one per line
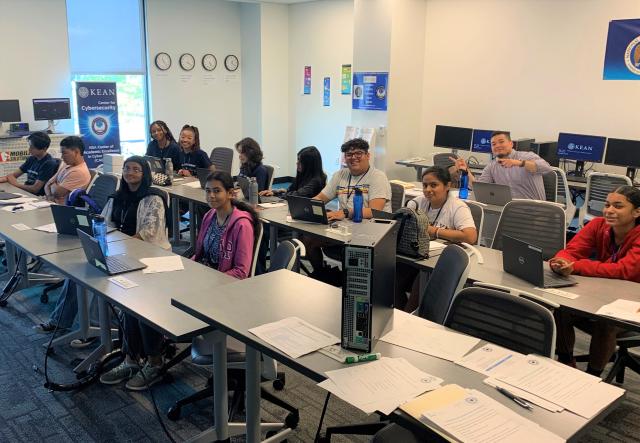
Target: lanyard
439 210
614 248
350 192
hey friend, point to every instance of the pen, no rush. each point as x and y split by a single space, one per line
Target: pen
515 398
363 357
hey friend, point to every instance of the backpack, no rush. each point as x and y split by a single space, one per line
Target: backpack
413 239
79 198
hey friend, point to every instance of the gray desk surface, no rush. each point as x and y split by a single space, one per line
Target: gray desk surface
188 193
151 300
279 295
487 208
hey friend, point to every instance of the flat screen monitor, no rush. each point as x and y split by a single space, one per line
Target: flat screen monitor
452 137
51 109
9 111
625 153
481 141
586 148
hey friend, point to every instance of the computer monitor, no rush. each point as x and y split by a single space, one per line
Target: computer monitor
9 111
581 148
481 140
51 109
621 152
452 137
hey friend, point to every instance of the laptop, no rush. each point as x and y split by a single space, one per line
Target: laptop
69 219
112 265
244 184
492 193
307 209
202 174
525 261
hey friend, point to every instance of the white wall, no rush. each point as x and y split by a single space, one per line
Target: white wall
320 35
35 56
530 66
251 66
214 105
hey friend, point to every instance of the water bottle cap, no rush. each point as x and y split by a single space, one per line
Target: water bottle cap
358 191
98 218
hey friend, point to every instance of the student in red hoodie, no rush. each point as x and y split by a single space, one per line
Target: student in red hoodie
607 247
226 237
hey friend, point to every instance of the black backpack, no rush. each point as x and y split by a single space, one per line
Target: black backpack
413 239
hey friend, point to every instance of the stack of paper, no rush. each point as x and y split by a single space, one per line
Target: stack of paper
418 334
622 309
272 205
381 385
162 264
294 336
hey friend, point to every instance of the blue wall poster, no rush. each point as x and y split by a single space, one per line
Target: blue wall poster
326 95
370 91
98 120
622 59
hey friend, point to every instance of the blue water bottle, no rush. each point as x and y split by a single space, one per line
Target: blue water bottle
358 202
100 233
464 184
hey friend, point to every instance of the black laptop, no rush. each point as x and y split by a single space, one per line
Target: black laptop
69 219
525 261
308 210
112 265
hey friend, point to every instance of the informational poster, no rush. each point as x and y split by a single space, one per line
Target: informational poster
346 80
622 59
307 80
326 94
98 120
370 91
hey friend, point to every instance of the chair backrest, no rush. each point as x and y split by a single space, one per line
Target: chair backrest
448 277
442 159
102 187
564 195
535 222
256 247
270 169
222 159
93 173
599 184
287 256
550 181
512 322
397 196
477 212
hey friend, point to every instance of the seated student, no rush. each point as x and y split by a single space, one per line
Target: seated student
359 173
520 170
163 144
191 156
139 210
450 219
310 178
72 174
607 247
39 167
227 235
250 156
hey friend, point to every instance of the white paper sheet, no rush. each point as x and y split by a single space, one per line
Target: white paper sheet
22 207
51 227
162 264
123 282
418 334
381 385
528 396
489 359
21 227
17 201
272 205
294 336
622 309
193 184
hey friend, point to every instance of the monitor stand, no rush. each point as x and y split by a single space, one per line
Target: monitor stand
579 171
631 173
51 129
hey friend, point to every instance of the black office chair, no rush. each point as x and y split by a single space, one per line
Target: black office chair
397 196
222 159
623 359
102 187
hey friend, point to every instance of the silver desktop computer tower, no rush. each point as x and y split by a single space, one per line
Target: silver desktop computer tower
369 265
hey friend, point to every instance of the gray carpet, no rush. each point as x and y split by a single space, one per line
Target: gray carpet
29 413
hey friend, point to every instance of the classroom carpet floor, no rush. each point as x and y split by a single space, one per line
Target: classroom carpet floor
30 413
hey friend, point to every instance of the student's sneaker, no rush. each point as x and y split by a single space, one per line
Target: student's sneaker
80 343
148 376
46 327
120 373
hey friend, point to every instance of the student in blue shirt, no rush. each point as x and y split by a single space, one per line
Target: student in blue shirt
163 144
251 165
191 156
39 167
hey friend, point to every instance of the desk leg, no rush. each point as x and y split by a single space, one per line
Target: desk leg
11 258
252 375
175 217
273 239
22 267
84 330
192 224
220 393
105 325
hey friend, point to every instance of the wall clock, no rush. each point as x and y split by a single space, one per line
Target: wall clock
163 61
231 62
209 62
187 62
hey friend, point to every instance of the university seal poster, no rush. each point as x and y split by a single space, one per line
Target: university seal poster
622 59
98 120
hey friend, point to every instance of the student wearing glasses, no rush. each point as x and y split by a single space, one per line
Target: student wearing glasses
607 247
163 144
191 156
39 167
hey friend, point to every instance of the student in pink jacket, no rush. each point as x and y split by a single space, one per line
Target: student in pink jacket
226 238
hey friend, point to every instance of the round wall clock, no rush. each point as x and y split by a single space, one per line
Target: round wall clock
163 61
187 62
209 62
231 62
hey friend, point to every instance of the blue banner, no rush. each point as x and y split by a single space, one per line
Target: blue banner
98 120
622 59
370 91
326 96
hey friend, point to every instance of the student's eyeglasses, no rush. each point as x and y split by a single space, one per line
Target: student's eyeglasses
354 154
132 170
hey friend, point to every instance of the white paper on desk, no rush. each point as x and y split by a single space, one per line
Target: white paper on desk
294 336
490 359
477 418
51 227
418 334
193 184
381 385
272 205
528 396
23 207
21 227
41 204
570 388
17 201
436 246
622 309
162 264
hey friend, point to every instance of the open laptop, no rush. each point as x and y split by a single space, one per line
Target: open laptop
69 219
202 174
492 193
307 209
525 261
112 265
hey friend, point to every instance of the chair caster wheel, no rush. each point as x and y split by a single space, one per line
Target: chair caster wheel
278 383
292 420
173 413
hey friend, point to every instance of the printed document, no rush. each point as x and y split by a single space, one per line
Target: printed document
162 264
622 309
294 336
489 359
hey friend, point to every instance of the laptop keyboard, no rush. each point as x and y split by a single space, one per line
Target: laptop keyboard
115 265
551 277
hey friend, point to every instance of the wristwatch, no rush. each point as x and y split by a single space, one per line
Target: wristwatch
346 213
522 163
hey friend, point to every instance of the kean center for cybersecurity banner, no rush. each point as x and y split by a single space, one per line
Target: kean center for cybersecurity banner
98 120
622 59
